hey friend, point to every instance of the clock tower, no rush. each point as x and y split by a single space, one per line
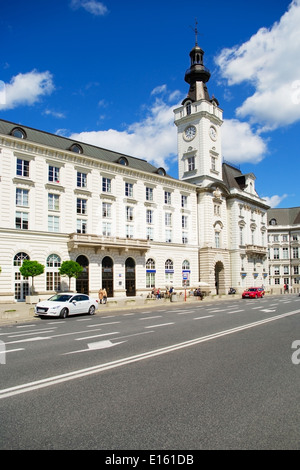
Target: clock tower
198 122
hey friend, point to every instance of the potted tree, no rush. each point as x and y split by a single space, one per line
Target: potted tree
70 269
31 269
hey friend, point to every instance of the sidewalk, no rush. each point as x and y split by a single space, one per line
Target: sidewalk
20 311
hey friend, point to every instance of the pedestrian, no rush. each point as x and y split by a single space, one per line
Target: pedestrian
104 296
100 295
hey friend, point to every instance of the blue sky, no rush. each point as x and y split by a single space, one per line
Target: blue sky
111 72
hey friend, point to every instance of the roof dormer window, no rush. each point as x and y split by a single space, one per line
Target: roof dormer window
123 161
76 148
19 133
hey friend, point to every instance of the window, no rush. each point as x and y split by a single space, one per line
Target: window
295 253
22 197
168 234
184 200
22 167
184 221
106 185
22 220
53 174
129 231
285 253
184 237
213 163
150 273
19 258
81 180
129 214
217 239
52 274
106 210
169 271
53 223
168 219
128 189
106 229
273 222
81 206
149 233
76 148
19 133
149 216
217 209
241 236
81 226
53 202
191 164
149 194
276 253
296 269
286 270
167 197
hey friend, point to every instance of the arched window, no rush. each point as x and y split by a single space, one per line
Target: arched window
21 283
186 272
150 273
52 274
169 272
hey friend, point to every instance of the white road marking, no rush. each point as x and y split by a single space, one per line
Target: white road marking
97 336
157 326
50 381
200 318
149 318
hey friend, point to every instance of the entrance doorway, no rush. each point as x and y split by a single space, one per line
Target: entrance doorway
130 277
219 278
82 282
108 276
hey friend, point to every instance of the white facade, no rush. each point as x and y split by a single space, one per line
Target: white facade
131 226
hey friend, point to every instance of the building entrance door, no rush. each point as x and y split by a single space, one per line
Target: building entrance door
82 282
108 276
130 277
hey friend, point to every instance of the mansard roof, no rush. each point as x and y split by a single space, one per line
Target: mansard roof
65 144
284 216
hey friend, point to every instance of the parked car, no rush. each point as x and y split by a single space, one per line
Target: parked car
65 304
253 293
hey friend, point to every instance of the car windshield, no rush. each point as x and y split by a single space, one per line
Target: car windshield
252 290
60 297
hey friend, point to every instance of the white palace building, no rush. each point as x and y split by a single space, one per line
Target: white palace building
129 224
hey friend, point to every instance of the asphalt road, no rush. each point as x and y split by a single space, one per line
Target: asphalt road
208 375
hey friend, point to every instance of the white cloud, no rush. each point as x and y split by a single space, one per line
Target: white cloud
91 6
270 62
274 201
240 144
153 138
27 89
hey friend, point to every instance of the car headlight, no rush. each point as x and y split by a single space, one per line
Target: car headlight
55 307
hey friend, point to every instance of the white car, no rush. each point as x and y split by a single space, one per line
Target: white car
65 304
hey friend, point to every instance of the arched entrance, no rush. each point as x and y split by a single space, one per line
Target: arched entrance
130 277
82 282
21 283
219 278
108 276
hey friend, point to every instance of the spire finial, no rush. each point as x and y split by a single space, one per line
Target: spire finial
196 32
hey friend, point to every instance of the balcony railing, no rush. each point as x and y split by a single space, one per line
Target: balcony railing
102 242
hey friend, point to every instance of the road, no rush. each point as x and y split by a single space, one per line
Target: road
206 375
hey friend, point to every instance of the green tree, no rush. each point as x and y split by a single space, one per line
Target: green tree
31 269
70 269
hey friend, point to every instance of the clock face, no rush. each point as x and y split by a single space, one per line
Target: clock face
213 133
190 133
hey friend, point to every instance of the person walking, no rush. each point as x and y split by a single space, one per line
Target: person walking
100 295
104 296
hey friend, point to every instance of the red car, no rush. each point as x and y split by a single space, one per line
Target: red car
253 293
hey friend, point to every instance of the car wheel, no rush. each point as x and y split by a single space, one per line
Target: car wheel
92 310
64 313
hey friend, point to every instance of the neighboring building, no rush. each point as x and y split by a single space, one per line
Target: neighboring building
284 249
130 225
